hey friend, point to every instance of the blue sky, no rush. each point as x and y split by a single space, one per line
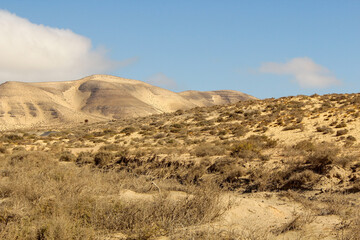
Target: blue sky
263 48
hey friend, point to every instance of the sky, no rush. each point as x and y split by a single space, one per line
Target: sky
266 48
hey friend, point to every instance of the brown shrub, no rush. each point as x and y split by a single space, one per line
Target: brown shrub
103 158
85 158
299 126
67 156
351 138
341 125
325 130
302 180
304 145
320 160
341 132
208 149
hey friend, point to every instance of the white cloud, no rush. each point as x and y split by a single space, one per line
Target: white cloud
305 71
31 52
161 80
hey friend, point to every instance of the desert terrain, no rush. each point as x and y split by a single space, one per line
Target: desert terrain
96 98
286 168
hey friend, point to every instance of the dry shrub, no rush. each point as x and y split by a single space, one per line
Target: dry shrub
85 158
208 149
3 149
229 173
325 130
297 222
302 180
245 149
158 217
346 160
128 130
305 145
18 149
299 126
30 158
351 138
320 160
214 233
46 200
67 156
341 125
262 141
109 147
238 130
251 147
341 132
103 158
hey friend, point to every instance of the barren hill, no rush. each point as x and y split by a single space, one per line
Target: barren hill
219 97
96 98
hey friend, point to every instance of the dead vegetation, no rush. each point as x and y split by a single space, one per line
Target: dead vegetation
166 175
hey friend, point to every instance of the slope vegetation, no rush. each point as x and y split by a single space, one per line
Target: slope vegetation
285 168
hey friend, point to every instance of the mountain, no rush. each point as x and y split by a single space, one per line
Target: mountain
220 97
96 98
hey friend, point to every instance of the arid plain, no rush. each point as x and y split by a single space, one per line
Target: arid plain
111 158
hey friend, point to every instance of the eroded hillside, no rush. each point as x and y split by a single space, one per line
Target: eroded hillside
95 98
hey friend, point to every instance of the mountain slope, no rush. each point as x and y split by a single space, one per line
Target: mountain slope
219 97
96 98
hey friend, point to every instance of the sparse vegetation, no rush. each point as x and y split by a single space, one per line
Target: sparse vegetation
170 175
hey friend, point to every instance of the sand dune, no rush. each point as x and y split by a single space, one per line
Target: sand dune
96 98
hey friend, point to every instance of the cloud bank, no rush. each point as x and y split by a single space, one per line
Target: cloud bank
161 80
31 52
305 71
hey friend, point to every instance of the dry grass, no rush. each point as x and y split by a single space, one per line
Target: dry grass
70 184
44 199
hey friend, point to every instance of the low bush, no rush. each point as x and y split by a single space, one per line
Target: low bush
320 160
325 130
299 126
245 149
67 156
301 180
341 125
341 132
305 145
103 158
128 130
208 149
85 158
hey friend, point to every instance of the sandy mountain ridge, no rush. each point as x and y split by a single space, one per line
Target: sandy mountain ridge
96 98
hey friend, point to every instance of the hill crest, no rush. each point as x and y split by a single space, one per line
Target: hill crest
96 98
